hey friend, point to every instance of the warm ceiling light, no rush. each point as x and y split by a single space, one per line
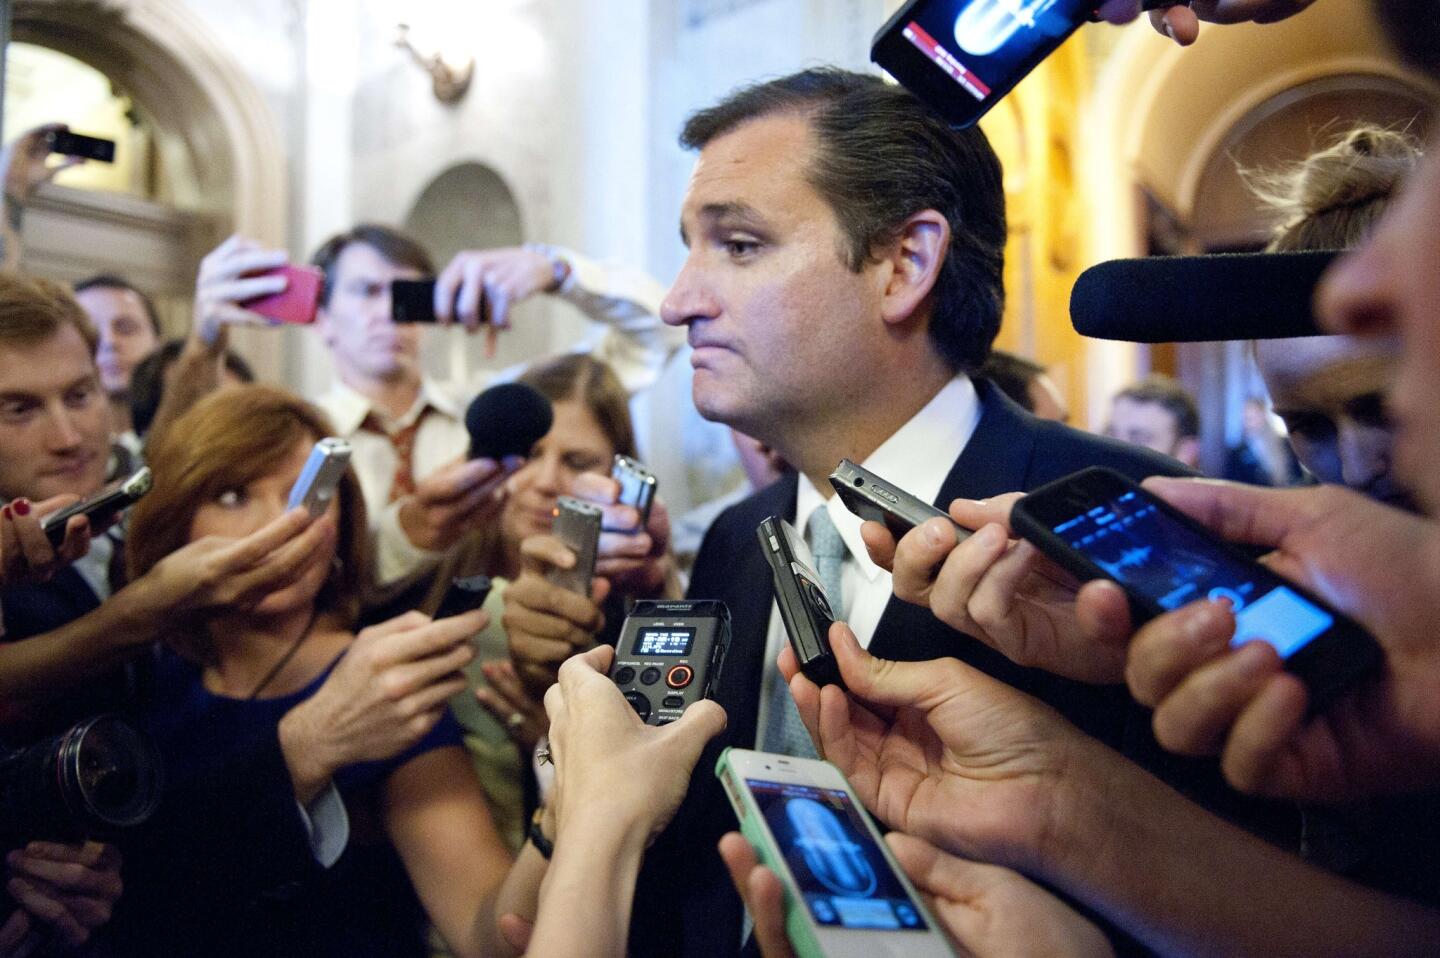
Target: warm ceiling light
450 72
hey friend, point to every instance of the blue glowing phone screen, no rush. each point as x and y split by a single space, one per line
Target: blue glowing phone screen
1146 550
843 876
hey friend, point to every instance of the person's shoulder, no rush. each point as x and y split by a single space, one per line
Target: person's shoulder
1061 450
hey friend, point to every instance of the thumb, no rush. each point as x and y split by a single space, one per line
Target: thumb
1235 512
688 737
883 682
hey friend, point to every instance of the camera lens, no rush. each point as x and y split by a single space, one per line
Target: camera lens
109 773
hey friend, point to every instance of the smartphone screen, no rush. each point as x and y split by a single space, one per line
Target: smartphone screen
841 874
962 56
1147 550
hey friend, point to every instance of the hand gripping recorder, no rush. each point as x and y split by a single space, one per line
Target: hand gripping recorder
669 655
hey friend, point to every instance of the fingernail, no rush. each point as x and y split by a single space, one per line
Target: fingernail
1254 654
1170 31
22 507
6 511
991 536
937 535
1202 623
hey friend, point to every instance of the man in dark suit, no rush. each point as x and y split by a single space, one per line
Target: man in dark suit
844 276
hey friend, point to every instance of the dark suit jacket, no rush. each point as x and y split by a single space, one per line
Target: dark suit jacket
685 904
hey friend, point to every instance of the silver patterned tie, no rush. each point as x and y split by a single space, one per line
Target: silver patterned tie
784 732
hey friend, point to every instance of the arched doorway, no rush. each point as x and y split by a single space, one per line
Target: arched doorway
220 145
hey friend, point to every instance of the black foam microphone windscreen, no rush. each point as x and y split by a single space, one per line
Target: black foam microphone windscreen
507 420
1194 299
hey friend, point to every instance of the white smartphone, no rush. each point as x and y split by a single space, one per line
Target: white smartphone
321 475
845 896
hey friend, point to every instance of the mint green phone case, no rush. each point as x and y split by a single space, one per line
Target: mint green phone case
752 826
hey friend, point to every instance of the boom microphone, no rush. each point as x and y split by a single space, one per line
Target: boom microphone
507 420
1196 299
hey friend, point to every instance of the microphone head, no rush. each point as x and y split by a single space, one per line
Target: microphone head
507 420
1195 299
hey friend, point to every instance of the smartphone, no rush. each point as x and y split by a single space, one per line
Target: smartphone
873 499
1099 524
845 895
577 524
101 508
413 301
637 485
321 476
669 655
804 607
297 302
961 56
465 594
77 144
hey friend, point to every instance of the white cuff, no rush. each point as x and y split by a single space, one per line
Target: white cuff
327 825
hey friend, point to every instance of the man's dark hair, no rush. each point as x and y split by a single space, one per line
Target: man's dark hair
147 382
1013 375
394 246
1169 394
881 157
111 281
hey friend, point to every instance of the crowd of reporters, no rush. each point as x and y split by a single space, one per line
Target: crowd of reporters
324 769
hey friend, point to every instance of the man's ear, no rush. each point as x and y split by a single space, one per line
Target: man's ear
915 257
323 327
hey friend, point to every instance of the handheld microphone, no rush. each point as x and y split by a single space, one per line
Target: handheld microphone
507 420
1196 299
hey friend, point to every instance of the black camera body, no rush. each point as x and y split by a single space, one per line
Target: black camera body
93 780
669 655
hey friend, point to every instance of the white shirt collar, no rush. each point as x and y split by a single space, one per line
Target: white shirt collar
348 408
917 457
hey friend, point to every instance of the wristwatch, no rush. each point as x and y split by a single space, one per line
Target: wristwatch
559 266
536 834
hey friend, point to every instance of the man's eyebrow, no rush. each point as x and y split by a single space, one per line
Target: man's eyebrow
733 210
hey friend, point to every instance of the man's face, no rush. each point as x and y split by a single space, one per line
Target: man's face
778 323
1392 286
356 321
126 336
1145 424
54 419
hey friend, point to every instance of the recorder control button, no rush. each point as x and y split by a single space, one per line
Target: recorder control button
680 676
640 704
625 676
674 702
650 676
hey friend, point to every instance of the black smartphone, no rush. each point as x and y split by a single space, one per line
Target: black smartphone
875 500
1099 524
413 301
101 508
77 144
804 607
465 594
577 524
637 485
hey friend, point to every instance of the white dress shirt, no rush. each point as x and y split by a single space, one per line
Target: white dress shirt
633 342
917 457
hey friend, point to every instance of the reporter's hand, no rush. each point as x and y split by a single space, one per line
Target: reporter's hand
636 560
219 572
453 501
71 888
1375 563
942 751
25 162
1000 590
26 555
518 712
546 624
384 695
224 282
991 912
607 760
1181 23
500 278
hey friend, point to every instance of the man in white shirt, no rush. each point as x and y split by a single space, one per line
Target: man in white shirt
408 432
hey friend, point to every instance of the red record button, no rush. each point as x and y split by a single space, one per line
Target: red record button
680 676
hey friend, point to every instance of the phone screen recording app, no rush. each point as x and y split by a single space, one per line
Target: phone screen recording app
842 875
1148 551
982 44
